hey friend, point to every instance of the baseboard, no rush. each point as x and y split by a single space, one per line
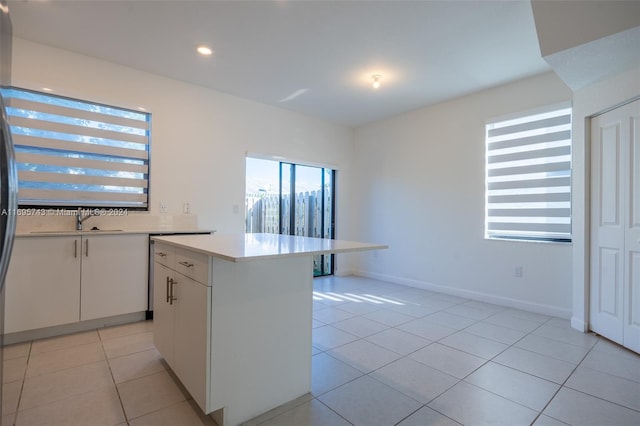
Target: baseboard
59 330
344 273
579 324
538 308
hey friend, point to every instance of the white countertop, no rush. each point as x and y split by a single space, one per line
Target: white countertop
246 247
89 231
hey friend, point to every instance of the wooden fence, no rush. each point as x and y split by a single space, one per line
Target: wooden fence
262 214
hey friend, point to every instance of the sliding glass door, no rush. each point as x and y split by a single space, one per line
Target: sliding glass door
291 199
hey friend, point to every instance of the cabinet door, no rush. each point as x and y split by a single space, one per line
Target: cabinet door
163 312
43 283
192 331
114 275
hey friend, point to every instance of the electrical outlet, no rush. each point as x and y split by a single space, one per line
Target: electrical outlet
163 207
186 208
517 272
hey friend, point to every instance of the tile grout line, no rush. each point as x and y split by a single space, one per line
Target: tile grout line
166 369
491 360
562 385
423 405
402 356
333 411
600 338
459 380
24 378
539 412
316 397
541 324
126 418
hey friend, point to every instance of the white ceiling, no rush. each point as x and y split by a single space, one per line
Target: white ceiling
314 57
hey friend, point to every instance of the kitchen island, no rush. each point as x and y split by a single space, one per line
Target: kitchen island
234 321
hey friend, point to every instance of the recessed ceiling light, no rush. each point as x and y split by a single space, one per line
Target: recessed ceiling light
46 89
204 50
141 108
376 80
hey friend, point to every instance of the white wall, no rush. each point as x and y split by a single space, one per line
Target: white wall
199 136
419 187
586 103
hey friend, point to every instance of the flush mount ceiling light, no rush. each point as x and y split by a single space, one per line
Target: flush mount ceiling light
204 50
376 80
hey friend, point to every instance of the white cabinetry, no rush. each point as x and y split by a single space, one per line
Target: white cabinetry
114 275
43 283
58 280
182 302
237 335
191 350
242 338
163 312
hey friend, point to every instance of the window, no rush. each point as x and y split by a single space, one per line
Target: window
72 153
528 177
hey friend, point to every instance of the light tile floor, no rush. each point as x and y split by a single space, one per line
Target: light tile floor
110 376
383 354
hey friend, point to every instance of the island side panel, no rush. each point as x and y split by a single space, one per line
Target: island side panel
261 334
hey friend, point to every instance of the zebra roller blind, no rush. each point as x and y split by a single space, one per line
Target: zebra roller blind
528 177
72 153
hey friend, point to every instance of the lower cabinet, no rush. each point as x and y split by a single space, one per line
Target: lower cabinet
114 275
57 280
42 283
163 312
191 343
182 309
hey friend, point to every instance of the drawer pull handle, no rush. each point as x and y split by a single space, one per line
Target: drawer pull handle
186 264
172 297
161 254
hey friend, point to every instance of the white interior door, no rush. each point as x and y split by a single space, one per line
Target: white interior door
607 226
632 233
615 225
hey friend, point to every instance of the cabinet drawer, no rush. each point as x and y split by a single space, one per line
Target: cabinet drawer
165 255
193 265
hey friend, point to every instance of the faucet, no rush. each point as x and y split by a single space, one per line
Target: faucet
80 219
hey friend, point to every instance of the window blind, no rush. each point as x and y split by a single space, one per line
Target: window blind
73 153
528 177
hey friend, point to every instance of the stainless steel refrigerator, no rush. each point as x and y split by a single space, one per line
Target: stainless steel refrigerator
8 172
